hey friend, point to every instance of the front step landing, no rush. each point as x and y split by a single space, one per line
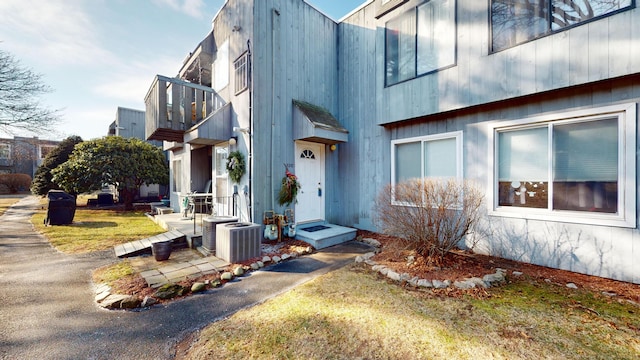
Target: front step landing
321 235
143 247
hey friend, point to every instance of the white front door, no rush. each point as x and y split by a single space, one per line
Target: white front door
310 172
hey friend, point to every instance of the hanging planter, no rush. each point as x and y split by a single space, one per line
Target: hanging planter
289 189
235 166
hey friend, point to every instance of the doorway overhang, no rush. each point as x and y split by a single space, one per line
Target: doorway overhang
316 124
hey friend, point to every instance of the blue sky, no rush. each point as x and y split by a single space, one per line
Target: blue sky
100 54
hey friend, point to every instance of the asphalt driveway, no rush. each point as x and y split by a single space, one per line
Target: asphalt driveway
47 309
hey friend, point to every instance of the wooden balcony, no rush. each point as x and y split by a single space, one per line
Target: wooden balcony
213 130
174 106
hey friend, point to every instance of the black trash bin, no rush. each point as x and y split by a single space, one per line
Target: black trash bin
105 199
62 208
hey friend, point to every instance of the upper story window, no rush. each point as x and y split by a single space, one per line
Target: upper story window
517 21
221 67
420 41
574 167
5 151
241 66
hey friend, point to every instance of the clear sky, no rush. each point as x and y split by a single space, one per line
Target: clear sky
100 54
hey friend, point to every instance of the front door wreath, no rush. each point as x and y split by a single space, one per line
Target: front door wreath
289 189
235 166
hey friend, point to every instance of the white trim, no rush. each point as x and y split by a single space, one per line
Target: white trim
361 6
457 135
320 206
626 214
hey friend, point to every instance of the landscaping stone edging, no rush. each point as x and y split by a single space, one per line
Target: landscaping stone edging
485 282
108 300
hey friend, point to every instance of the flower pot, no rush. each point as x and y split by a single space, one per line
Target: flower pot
161 250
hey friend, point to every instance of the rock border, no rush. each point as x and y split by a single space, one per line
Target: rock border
485 282
112 301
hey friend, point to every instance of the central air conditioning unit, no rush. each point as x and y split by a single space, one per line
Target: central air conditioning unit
236 242
209 226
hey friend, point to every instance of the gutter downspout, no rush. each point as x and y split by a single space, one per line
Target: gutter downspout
250 76
275 47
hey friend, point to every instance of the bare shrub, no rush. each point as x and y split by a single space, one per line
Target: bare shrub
433 215
15 182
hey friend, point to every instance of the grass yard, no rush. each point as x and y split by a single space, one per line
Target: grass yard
7 200
95 230
353 313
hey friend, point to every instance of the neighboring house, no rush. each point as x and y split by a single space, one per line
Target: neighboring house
535 102
23 155
130 123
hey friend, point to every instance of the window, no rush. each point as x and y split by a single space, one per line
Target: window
516 21
221 190
307 154
241 66
45 150
420 41
435 156
5 151
574 167
221 67
177 175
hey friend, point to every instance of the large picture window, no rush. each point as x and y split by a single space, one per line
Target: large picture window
575 165
516 21
420 41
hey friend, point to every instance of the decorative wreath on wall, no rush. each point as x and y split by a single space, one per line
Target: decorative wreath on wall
289 189
235 166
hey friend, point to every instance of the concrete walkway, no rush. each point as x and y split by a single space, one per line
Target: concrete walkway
48 311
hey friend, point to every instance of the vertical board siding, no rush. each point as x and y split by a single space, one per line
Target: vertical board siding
523 81
364 160
586 53
295 57
595 250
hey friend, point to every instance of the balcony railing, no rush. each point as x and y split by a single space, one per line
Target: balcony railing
173 106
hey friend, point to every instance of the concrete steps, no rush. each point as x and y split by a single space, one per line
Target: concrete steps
142 247
321 234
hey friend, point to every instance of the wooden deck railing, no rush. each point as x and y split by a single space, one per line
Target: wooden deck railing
173 106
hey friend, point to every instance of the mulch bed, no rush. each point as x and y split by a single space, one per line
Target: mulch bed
458 265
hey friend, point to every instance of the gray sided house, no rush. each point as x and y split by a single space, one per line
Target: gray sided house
23 155
130 123
263 82
537 104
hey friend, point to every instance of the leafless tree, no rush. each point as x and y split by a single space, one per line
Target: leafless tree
20 108
433 215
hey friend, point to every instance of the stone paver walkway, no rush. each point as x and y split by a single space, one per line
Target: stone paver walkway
179 271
